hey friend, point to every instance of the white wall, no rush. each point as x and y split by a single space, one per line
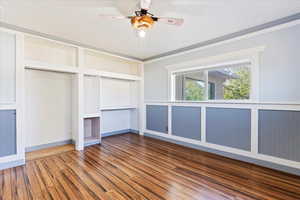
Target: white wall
49 52
119 93
279 67
117 120
109 63
115 92
7 68
48 107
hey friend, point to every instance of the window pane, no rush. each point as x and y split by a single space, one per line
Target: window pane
230 82
190 87
211 91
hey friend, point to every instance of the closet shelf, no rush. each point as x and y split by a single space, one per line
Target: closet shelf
120 76
94 72
30 64
118 108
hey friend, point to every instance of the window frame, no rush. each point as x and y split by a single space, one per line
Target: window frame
251 56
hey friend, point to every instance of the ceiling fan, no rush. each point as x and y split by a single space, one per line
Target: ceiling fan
144 20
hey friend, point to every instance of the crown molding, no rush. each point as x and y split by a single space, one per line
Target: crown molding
278 24
63 40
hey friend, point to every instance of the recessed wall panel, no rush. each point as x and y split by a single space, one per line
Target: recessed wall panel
229 127
91 95
7 132
157 118
279 134
186 122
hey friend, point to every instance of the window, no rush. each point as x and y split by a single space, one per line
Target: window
190 86
228 82
231 82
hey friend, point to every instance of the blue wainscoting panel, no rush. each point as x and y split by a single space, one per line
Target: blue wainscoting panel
279 134
7 132
229 127
157 118
186 122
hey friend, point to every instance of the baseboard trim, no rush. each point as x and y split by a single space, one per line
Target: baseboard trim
12 164
44 146
119 132
86 144
54 144
134 131
262 163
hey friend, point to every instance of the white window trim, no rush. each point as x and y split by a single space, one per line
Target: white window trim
246 55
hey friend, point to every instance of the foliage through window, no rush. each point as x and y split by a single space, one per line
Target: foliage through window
222 83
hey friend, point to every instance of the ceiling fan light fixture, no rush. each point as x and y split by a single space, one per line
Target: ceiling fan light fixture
141 33
144 22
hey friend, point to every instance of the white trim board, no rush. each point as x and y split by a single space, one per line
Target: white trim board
8 106
233 102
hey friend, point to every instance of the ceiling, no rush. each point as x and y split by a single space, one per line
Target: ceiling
78 20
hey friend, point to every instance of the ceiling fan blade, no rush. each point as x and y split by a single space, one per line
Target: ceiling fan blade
171 21
145 4
114 17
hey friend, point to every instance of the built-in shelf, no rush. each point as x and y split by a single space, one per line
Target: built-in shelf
92 131
37 65
118 108
94 72
29 64
120 76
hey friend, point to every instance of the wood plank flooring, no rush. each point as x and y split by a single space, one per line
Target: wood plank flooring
49 151
134 167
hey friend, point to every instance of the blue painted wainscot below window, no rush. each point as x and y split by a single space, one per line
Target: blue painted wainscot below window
229 127
157 118
279 134
186 122
7 132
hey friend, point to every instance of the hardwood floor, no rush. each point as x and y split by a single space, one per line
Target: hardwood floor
133 167
49 151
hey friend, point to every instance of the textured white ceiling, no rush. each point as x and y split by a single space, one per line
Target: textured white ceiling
78 20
